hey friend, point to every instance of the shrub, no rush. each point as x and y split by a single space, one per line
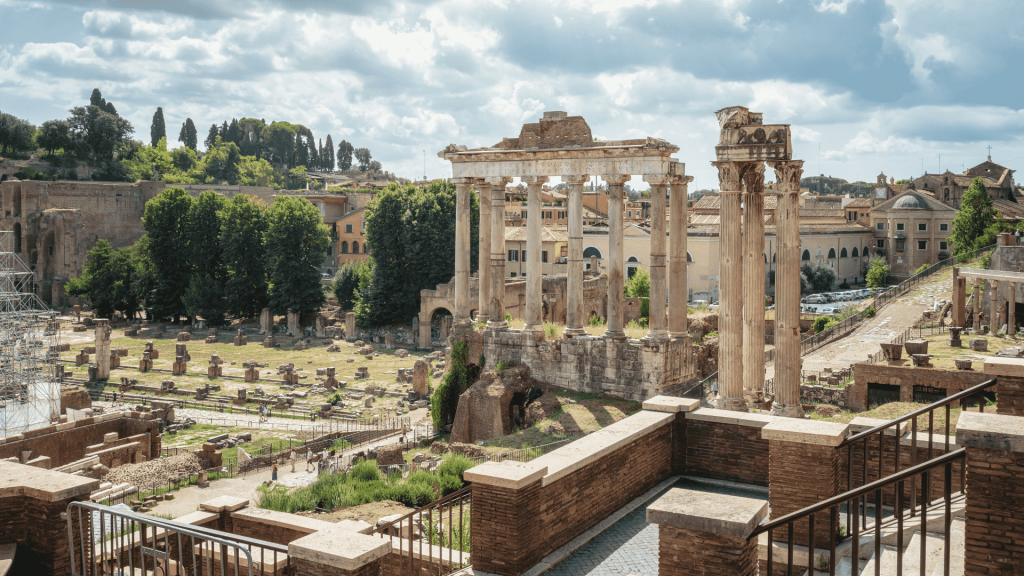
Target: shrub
986 261
449 484
455 466
445 399
365 471
412 495
421 477
845 285
820 323
596 320
869 312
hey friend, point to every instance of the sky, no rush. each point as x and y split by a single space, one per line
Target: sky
869 86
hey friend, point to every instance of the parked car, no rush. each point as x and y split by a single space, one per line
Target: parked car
814 299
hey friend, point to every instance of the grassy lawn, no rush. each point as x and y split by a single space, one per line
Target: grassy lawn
896 409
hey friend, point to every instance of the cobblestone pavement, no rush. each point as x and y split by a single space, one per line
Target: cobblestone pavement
628 547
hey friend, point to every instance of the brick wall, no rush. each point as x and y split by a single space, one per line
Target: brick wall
936 477
397 564
996 495
684 552
503 528
65 444
252 528
304 567
801 475
906 377
1010 396
76 399
726 452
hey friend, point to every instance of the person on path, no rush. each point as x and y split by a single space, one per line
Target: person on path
292 460
309 459
273 472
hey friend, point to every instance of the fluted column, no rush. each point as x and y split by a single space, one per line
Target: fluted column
462 249
753 281
616 298
787 290
677 274
657 322
977 305
1011 314
496 305
993 308
484 256
534 268
730 323
574 269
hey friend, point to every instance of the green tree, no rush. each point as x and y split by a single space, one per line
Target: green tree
54 135
878 272
166 222
149 161
184 159
297 240
279 140
363 157
254 171
995 227
817 277
221 162
98 132
211 137
245 254
188 135
976 213
328 160
344 156
205 294
639 286
349 280
158 129
102 280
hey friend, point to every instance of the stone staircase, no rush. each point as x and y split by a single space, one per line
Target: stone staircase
886 559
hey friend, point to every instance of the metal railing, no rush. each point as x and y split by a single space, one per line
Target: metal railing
868 436
104 540
436 535
857 499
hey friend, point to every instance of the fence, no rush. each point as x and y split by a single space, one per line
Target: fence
909 334
434 539
102 540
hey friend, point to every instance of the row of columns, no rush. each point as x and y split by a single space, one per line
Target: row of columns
959 293
741 320
668 271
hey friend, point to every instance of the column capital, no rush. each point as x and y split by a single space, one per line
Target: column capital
728 176
481 182
753 177
680 179
500 181
659 179
616 179
462 181
534 179
575 179
788 174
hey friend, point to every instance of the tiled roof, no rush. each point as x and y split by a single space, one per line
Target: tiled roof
859 203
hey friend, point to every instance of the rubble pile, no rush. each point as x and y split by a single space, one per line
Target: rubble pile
159 470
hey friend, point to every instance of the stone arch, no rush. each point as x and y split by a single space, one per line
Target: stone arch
831 253
592 251
689 257
344 247
806 256
843 253
355 247
855 253
438 317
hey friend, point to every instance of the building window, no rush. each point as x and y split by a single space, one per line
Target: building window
943 227
513 274
843 253
524 214
880 226
901 244
899 226
348 228
806 256
922 227
943 246
344 247
855 253
591 251
630 213
922 244
522 255
544 256
879 243
513 256
831 253
355 247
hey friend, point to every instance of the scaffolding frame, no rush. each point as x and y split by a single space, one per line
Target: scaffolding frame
29 348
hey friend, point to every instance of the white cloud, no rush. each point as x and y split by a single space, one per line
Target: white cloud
558 21
837 6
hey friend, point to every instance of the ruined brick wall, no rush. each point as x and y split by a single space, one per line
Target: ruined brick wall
67 443
906 377
1010 396
726 452
505 538
595 365
555 130
684 552
997 486
74 399
303 567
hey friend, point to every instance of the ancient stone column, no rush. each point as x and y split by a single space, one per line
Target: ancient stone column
616 299
977 304
1011 314
534 267
787 290
677 279
993 308
958 300
730 322
753 281
657 325
484 256
102 348
496 312
574 268
462 249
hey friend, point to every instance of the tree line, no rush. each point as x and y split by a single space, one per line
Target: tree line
211 257
412 232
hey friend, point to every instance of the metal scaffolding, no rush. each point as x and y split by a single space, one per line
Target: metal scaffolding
29 348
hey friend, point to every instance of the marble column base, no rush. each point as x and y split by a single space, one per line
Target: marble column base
482 318
674 335
795 411
497 325
538 328
656 336
614 335
734 404
573 332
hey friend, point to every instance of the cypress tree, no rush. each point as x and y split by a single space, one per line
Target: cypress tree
158 129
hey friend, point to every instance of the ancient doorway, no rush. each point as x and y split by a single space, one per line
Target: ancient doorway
440 325
928 395
879 394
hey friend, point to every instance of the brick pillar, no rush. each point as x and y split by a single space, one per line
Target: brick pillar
803 469
705 534
338 552
505 535
1009 389
995 493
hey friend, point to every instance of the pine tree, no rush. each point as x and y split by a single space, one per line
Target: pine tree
188 135
97 99
223 132
234 135
158 129
976 212
297 240
245 254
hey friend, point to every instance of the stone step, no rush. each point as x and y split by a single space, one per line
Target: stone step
957 547
933 554
845 568
886 562
935 524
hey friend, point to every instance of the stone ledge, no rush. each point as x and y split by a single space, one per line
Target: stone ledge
357 526
990 431
805 431
198 518
730 417
671 404
586 450
862 424
224 503
339 548
506 474
282 519
999 366
708 512
31 482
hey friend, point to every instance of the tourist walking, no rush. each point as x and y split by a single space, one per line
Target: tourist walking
273 472
292 460
309 459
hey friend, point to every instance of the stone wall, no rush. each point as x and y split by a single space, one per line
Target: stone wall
906 377
74 399
726 446
824 395
633 370
68 442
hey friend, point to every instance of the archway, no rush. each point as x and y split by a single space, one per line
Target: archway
440 324
689 257
632 263
843 253
355 247
855 253
344 247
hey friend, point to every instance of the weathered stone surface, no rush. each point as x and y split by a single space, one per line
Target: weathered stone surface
916 347
390 454
979 344
486 409
720 514
421 378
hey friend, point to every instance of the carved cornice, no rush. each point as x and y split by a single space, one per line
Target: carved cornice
616 179
534 180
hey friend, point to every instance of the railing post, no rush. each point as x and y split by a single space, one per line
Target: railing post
706 533
803 469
